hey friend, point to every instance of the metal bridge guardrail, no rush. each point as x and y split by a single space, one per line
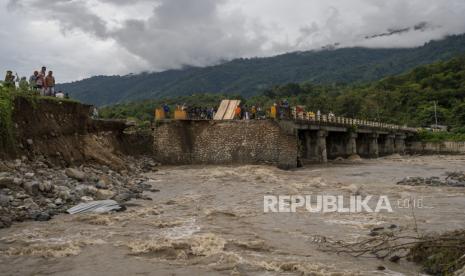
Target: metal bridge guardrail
343 121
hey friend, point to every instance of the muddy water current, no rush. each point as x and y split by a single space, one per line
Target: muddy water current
210 220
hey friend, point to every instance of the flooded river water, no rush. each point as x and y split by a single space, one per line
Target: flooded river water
209 220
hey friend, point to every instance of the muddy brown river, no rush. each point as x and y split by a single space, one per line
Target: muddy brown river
210 220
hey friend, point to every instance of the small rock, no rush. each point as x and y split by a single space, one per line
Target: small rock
86 198
58 201
32 188
5 222
4 201
29 175
4 168
394 259
104 194
43 216
21 195
103 183
75 174
381 268
30 204
64 195
30 142
123 197
356 190
7 182
354 157
46 187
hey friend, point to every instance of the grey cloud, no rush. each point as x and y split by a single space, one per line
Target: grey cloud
174 33
70 14
184 32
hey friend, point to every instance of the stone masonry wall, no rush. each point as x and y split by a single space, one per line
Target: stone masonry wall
225 142
436 147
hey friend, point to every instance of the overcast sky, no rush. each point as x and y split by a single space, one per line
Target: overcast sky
81 38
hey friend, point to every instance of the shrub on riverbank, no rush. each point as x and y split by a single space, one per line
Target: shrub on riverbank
441 136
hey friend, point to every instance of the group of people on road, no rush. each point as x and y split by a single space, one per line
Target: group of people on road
41 82
192 112
244 112
279 110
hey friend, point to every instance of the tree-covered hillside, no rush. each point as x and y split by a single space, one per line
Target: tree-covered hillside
404 99
249 76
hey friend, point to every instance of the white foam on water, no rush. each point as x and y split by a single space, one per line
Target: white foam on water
187 229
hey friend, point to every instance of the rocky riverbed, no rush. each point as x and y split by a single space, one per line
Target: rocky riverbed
38 190
210 220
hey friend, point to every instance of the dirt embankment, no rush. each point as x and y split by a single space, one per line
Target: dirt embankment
60 157
64 133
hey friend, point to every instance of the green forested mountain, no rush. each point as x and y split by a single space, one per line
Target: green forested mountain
404 99
248 77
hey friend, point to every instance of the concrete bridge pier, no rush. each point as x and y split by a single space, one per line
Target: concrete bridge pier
388 144
367 145
314 145
351 147
341 144
399 143
322 152
373 149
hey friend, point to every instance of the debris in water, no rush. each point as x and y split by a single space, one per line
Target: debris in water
100 206
452 179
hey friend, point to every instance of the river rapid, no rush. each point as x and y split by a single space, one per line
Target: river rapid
210 220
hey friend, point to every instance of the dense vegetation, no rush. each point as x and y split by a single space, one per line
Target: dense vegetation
6 123
247 77
404 99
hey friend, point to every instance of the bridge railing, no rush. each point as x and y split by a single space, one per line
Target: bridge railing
344 121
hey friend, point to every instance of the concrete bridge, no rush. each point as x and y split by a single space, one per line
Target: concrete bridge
286 143
328 138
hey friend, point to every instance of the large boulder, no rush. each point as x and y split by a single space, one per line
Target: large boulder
75 174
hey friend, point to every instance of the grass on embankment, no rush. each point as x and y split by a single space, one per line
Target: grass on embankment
7 96
442 136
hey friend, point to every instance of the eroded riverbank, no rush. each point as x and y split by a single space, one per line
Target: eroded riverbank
209 220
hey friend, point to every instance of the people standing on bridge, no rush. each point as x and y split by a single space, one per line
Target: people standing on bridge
261 114
166 110
311 115
253 112
246 113
237 113
331 116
